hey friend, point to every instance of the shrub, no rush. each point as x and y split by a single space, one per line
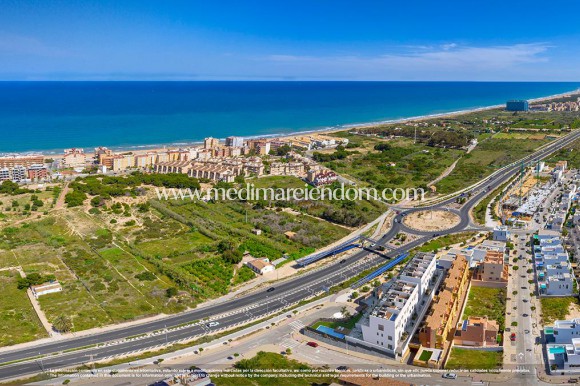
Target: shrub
145 276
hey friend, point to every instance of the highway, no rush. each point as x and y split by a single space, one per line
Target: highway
252 306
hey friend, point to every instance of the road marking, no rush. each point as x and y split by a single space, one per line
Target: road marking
289 343
297 325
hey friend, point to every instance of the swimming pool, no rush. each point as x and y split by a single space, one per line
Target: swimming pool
330 331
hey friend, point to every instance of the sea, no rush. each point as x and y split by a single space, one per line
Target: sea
50 116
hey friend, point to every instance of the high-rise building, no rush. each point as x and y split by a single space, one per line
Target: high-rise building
235 141
210 143
517 105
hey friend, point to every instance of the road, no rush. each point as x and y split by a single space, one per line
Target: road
240 310
523 351
279 339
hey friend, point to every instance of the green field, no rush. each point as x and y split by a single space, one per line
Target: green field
19 322
490 154
445 241
403 165
570 153
462 359
488 302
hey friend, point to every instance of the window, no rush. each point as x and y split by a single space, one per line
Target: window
381 327
390 337
390 347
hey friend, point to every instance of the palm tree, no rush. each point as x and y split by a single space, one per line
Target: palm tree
344 312
62 323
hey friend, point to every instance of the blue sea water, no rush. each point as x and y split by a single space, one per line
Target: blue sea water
50 116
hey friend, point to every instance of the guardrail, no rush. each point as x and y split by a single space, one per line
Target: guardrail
380 271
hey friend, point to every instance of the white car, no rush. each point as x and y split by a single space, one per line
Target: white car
213 324
450 376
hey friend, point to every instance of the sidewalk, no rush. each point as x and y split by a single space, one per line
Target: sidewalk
189 352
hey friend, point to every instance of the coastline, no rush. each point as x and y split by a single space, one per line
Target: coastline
141 149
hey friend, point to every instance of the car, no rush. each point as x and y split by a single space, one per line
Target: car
525 315
230 358
343 368
270 289
342 261
527 331
513 336
312 344
213 324
435 235
525 300
524 287
573 380
449 376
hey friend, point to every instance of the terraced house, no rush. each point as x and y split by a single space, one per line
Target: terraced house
437 328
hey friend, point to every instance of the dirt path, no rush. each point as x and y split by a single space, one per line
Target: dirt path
60 201
445 173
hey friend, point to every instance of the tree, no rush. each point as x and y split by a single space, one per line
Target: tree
283 150
171 292
62 323
344 312
240 179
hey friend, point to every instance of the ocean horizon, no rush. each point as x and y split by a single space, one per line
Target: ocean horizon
50 116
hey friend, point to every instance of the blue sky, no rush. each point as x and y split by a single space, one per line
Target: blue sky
291 40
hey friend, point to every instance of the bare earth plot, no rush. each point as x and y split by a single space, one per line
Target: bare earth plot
431 220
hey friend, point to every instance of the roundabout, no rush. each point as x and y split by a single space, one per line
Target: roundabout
431 220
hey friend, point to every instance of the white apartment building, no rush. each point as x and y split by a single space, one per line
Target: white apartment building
18 173
235 141
501 233
563 344
553 272
388 320
4 174
559 285
563 331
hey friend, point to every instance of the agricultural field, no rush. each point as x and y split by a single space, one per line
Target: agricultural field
129 256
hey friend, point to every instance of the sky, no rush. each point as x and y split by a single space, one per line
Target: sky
479 40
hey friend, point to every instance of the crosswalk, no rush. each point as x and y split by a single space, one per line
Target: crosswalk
297 325
290 343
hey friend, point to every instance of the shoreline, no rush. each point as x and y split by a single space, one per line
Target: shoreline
141 149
